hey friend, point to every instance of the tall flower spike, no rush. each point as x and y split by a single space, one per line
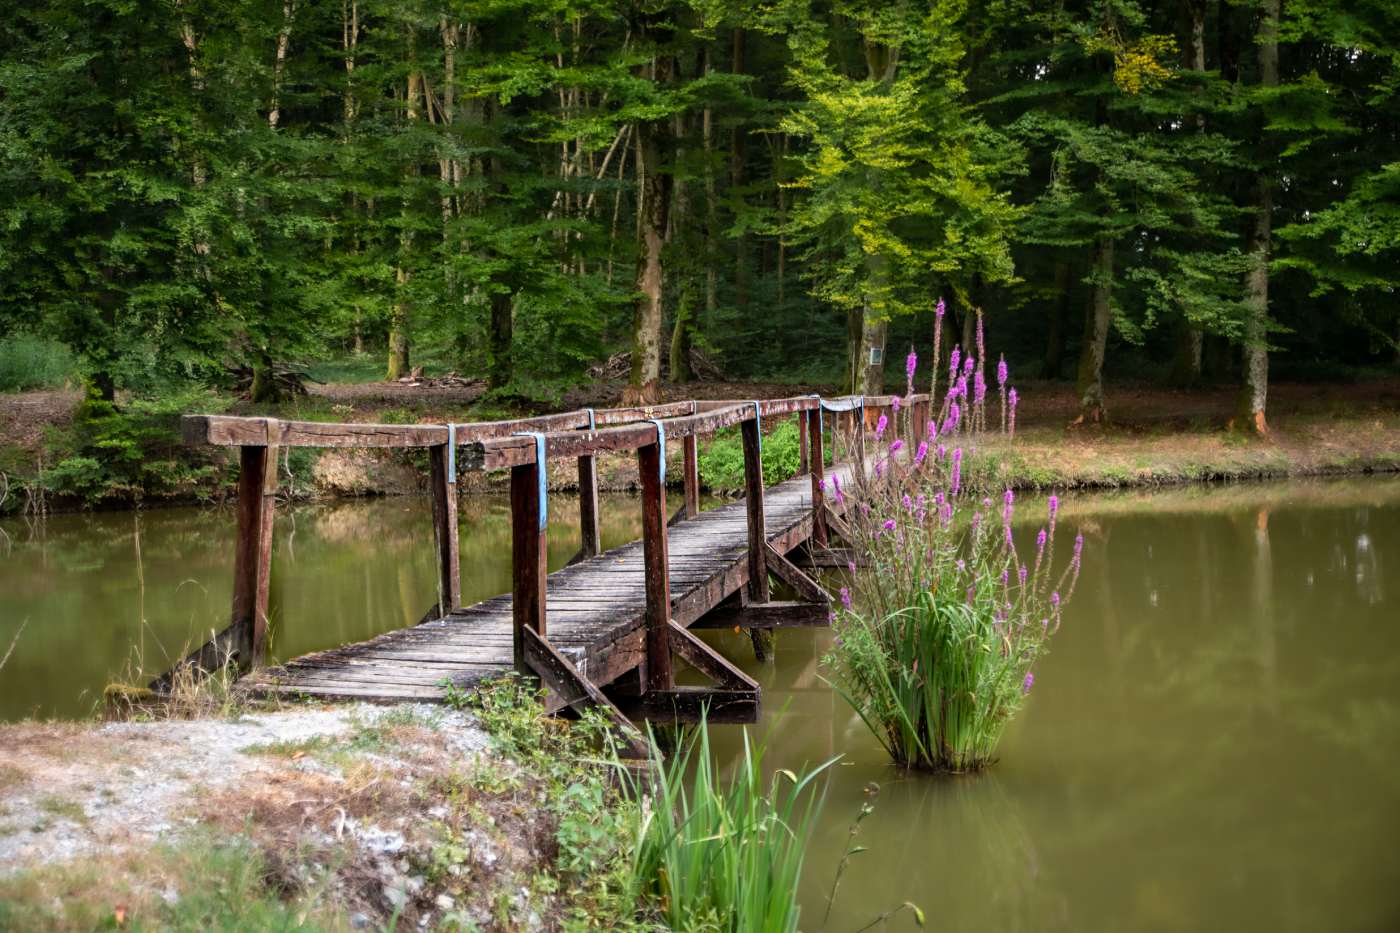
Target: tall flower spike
954 363
880 426
1002 372
1011 412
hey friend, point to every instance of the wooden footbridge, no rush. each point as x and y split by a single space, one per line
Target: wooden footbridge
604 630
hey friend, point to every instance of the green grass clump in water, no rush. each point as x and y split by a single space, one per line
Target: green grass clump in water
937 636
722 854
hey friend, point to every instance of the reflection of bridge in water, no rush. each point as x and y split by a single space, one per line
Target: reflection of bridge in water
603 630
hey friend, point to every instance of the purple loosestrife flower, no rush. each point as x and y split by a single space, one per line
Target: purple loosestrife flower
836 487
945 513
942 452
846 598
889 524
894 404
851 566
896 446
967 366
933 430
1011 412
1054 506
907 502
956 481
1021 573
951 424
911 363
921 453
1027 683
880 469
1002 372
880 426
1040 538
979 387
1055 600
939 309
953 363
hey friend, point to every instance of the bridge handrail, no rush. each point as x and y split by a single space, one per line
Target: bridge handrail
494 444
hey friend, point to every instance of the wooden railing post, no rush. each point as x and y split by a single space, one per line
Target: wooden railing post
692 476
753 498
803 443
529 554
444 482
252 560
656 561
588 507
813 422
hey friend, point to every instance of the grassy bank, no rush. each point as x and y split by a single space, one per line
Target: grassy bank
1044 457
315 818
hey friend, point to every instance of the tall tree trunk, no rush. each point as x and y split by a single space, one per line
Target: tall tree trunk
874 330
644 387
711 206
1059 314
1186 362
1255 389
738 157
1096 321
399 321
279 64
855 322
499 366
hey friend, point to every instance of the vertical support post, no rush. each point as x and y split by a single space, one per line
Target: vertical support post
818 460
658 570
753 500
858 420
758 591
692 476
803 443
529 556
588 507
252 560
445 529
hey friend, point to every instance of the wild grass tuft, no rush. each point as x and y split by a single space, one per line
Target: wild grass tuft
722 854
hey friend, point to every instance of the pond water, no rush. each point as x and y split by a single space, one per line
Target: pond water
1213 742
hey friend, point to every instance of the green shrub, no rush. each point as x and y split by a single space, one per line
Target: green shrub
131 454
28 362
722 459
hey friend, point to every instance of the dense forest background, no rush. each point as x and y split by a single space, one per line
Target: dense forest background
1184 190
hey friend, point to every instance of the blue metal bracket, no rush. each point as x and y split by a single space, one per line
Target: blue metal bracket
661 442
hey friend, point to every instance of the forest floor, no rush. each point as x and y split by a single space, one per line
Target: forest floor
306 817
1153 436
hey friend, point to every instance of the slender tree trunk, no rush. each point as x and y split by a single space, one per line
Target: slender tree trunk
399 321
284 42
738 157
499 368
644 387
855 322
1255 389
1059 313
711 207
681 339
1186 363
1096 321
